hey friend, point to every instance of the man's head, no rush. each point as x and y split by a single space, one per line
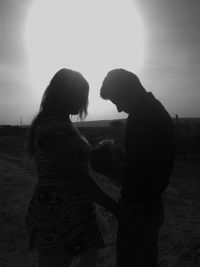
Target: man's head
123 88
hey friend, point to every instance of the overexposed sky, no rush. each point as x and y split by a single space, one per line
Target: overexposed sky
157 39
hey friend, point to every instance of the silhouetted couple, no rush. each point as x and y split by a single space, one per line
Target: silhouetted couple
62 219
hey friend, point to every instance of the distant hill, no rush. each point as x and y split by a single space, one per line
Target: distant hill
99 123
105 123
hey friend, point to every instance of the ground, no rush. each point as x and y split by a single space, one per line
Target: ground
179 242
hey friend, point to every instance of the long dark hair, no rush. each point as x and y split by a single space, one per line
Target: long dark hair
64 82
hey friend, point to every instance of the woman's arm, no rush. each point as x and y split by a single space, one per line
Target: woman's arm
62 153
94 192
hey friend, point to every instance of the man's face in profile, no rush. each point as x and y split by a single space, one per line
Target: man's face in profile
121 103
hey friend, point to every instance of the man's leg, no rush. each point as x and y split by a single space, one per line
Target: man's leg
152 257
138 247
153 229
130 247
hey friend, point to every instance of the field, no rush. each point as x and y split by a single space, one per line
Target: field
179 242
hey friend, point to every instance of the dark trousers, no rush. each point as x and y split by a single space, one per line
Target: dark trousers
138 248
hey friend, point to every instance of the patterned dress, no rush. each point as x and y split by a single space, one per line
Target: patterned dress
60 216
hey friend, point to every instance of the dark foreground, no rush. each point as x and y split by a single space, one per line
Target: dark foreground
179 242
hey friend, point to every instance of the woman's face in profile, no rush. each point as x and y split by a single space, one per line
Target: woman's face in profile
70 103
74 109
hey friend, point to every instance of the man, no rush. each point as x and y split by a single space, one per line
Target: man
150 157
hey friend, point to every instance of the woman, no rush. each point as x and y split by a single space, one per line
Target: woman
61 219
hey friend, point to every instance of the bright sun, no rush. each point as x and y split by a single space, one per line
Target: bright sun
91 36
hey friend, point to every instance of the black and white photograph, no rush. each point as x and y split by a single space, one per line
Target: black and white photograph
99 133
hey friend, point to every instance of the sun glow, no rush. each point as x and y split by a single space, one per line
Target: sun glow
91 36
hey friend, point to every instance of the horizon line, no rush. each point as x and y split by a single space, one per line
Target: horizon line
86 121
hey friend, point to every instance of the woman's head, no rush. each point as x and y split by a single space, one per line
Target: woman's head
66 94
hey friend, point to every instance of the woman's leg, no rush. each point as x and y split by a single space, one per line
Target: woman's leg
61 259
88 258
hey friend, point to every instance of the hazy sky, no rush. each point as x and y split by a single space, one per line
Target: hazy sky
157 39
